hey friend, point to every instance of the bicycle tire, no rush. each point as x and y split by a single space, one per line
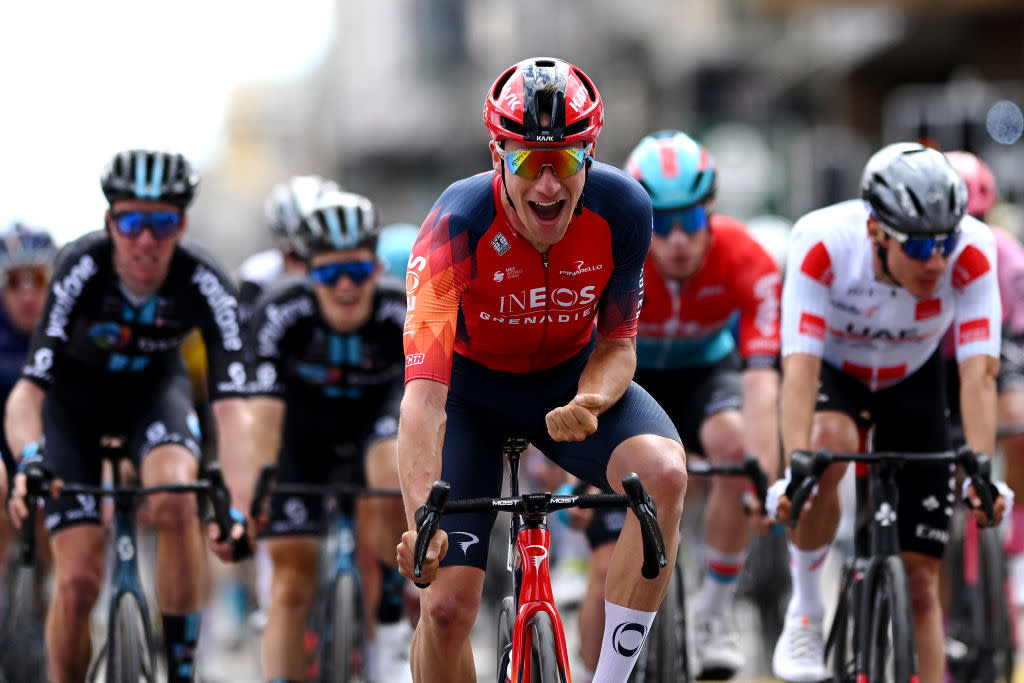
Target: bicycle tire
127 650
544 667
891 655
840 647
23 657
506 622
996 658
344 654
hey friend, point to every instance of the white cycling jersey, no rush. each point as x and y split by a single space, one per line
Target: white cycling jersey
262 267
834 308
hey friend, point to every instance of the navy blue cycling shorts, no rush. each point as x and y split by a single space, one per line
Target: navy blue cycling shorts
486 406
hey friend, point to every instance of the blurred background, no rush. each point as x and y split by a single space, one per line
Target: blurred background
791 96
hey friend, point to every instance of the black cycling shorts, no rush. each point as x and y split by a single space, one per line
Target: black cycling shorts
80 423
908 417
486 406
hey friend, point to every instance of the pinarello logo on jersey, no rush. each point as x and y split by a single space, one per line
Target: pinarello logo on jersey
110 335
579 268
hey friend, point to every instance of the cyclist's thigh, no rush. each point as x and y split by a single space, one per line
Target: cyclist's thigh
635 414
72 454
691 396
605 526
78 551
166 416
301 461
910 417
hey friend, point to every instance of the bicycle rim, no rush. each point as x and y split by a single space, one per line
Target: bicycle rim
891 657
544 667
842 638
127 651
23 657
345 652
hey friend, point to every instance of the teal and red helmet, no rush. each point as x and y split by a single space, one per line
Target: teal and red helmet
676 171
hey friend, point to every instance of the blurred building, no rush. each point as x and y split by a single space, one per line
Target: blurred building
791 96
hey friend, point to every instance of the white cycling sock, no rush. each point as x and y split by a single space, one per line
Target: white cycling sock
805 570
720 582
625 630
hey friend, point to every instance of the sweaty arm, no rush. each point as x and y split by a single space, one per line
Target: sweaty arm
24 417
760 387
800 372
234 424
609 370
978 401
420 438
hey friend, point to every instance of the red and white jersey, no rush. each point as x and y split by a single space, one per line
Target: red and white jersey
834 308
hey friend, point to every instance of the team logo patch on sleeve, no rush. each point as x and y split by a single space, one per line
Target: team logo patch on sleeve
812 325
927 309
971 265
974 331
817 265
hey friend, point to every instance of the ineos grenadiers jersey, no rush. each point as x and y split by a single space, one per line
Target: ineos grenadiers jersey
690 325
477 288
299 357
833 307
91 331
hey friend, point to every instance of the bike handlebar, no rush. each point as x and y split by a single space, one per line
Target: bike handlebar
428 515
806 467
265 486
749 468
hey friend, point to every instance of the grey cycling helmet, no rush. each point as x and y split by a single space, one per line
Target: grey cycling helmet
289 201
914 190
149 174
338 220
23 245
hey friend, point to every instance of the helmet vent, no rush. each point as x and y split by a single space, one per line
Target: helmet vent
577 127
513 126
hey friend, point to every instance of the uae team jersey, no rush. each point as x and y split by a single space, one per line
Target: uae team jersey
834 308
476 288
691 325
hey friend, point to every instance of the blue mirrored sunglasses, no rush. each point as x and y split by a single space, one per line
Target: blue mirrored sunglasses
691 220
162 224
329 273
922 248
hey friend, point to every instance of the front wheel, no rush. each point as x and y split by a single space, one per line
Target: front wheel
344 652
506 622
127 649
544 666
890 641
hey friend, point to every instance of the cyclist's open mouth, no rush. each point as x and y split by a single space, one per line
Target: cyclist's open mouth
547 211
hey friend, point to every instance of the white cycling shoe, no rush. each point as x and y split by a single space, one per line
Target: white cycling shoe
800 653
719 656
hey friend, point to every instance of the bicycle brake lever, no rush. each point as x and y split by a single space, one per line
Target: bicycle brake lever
428 516
646 512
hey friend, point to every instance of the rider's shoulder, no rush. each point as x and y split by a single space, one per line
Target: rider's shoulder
91 246
610 189
262 267
192 260
833 224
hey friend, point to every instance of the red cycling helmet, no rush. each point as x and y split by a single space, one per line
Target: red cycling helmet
517 99
981 183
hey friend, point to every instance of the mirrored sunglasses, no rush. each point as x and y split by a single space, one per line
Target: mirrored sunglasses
690 220
529 163
163 224
922 248
26 278
329 273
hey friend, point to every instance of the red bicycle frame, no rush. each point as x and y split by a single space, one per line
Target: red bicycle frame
535 595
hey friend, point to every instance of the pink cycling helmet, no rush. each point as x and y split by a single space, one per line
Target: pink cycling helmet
981 184
539 85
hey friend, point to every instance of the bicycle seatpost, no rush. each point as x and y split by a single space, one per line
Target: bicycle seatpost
513 450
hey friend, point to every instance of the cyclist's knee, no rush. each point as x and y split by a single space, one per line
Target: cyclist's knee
173 512
292 589
835 431
721 437
78 591
450 609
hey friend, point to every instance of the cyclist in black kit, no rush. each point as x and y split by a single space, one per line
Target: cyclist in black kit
104 361
328 376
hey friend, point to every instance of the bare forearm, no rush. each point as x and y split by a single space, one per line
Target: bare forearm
761 417
978 404
609 369
797 399
23 421
420 439
234 424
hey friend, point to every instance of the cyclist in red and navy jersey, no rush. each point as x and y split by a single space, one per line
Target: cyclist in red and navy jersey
703 272
524 286
873 284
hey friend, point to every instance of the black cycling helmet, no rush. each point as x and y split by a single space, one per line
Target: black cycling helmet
149 174
914 190
338 220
